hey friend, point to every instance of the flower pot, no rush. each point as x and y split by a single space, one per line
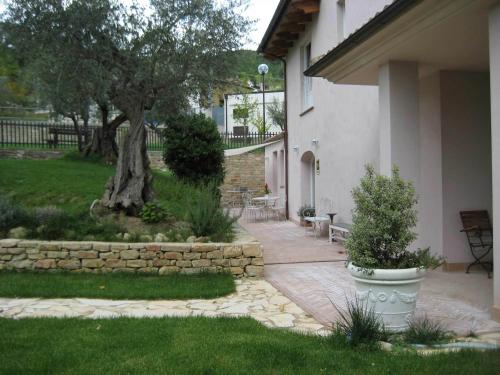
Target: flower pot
391 293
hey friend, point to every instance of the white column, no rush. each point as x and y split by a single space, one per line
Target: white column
494 37
399 119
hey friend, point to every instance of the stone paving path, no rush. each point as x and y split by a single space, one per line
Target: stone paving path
254 297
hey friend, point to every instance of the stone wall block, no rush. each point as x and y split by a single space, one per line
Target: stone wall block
203 247
217 254
177 247
109 255
252 250
101 246
92 263
136 263
69 264
192 256
201 263
84 254
165 270
129 254
232 251
57 254
183 263
45 263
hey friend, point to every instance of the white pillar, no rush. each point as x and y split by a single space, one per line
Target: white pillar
494 37
399 119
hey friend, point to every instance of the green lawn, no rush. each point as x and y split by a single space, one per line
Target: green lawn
73 184
114 286
202 346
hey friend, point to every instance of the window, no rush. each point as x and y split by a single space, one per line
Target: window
307 101
340 20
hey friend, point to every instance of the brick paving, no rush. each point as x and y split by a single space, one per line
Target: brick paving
460 301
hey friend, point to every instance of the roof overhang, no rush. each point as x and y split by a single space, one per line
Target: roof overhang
289 20
439 35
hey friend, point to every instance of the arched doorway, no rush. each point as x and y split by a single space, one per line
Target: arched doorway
308 179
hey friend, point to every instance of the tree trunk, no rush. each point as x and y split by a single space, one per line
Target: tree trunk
77 132
104 139
132 185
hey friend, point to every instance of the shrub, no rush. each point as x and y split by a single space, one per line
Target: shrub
153 212
425 331
194 149
11 215
207 218
383 221
360 324
51 222
306 211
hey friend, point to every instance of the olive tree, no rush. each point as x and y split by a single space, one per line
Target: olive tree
169 48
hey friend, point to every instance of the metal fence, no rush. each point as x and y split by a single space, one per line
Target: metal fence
34 134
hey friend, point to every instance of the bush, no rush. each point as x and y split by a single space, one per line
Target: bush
360 324
383 221
51 222
207 218
153 212
11 215
425 331
306 211
194 149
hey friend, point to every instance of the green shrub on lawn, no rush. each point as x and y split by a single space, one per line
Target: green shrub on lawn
194 149
207 217
154 212
11 215
422 330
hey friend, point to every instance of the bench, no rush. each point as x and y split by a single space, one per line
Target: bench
338 232
56 132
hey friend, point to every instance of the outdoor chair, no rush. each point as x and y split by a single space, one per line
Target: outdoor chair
251 208
277 209
477 227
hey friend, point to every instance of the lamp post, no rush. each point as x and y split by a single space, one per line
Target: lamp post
263 69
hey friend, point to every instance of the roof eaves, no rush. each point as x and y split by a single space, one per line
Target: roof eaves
278 14
379 21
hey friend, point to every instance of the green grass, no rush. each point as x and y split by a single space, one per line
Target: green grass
72 184
203 346
114 286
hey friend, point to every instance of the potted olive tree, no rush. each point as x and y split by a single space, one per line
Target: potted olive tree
386 273
306 211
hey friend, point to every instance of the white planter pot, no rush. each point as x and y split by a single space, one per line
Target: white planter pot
392 294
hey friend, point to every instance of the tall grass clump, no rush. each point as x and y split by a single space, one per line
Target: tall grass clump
11 215
425 331
359 324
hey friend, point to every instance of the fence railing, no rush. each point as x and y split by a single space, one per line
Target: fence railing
252 138
36 134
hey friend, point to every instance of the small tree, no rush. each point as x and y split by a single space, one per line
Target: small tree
194 149
383 220
258 122
243 112
276 112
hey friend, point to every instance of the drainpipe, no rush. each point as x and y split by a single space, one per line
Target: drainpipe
285 132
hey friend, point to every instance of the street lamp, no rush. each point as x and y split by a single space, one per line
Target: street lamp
263 69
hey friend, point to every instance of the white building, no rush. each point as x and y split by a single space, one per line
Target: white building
414 83
231 101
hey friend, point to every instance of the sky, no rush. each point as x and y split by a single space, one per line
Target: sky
261 11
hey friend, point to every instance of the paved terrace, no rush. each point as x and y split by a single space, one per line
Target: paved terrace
311 273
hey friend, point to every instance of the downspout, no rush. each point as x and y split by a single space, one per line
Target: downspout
285 132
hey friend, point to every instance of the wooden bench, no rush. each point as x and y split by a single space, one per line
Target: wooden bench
56 132
338 232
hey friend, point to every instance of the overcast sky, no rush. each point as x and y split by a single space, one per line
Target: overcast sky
261 11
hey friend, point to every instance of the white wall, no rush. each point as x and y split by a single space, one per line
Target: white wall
466 146
344 119
275 168
234 99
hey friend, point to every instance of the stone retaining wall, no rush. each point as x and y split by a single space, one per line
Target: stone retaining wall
241 259
245 170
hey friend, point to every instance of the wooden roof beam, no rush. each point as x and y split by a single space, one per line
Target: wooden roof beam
287 35
307 6
282 43
292 27
299 17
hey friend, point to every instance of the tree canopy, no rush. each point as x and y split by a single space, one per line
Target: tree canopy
138 56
